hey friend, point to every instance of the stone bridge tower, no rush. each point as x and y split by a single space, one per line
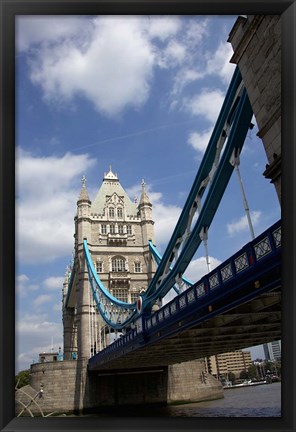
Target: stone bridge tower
117 231
256 43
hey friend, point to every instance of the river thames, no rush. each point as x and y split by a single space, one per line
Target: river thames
253 401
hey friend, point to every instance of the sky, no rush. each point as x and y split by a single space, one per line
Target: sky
139 93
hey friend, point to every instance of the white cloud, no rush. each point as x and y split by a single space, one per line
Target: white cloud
34 335
197 268
22 278
23 287
196 31
45 204
241 225
163 27
174 53
206 104
183 78
218 63
53 283
199 141
165 217
112 71
42 299
111 60
31 30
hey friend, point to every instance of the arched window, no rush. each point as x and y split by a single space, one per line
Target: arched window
118 264
112 229
119 212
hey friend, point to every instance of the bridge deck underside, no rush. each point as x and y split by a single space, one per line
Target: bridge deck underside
254 322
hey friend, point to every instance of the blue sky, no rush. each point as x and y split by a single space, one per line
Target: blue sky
141 94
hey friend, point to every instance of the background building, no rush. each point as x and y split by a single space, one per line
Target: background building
273 350
235 362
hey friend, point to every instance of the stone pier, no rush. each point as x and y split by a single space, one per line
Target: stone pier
69 388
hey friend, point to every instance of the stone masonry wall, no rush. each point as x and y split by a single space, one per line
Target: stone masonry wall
188 382
59 383
256 42
68 387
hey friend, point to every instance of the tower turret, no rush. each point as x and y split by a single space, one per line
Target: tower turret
145 210
84 304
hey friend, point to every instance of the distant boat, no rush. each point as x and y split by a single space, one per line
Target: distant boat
245 384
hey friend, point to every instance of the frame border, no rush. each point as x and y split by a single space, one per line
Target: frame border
8 10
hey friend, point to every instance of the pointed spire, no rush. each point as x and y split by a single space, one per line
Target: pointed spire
83 193
144 197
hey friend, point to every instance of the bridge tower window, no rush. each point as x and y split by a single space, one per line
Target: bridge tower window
111 212
129 229
119 212
137 267
134 296
118 264
112 229
120 294
103 229
99 266
120 229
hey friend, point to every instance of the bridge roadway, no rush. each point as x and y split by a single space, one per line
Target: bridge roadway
235 306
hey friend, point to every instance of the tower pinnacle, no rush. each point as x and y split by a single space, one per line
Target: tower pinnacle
144 197
83 193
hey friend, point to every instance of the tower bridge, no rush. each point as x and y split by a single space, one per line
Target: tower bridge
117 280
235 306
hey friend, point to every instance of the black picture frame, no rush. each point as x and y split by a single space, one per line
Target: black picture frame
11 8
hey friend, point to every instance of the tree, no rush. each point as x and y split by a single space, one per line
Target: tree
231 377
22 378
252 372
244 374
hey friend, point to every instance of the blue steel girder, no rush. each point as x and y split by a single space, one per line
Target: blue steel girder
158 259
163 282
209 161
116 313
70 298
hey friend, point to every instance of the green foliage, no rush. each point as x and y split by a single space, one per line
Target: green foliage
23 377
252 372
231 377
244 375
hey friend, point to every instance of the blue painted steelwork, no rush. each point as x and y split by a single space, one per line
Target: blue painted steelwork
115 313
251 271
158 259
71 278
159 287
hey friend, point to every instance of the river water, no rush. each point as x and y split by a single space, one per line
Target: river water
254 401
